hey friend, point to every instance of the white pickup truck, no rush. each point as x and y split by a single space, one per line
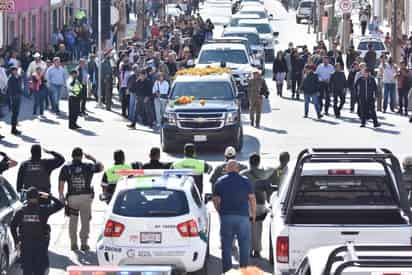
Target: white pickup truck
334 196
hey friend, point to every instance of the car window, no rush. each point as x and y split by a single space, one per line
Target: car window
154 202
10 192
251 37
261 28
344 190
196 196
306 4
203 90
261 14
376 45
228 56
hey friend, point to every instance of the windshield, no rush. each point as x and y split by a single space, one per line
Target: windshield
151 203
203 89
306 4
261 28
228 56
251 37
377 46
344 190
261 14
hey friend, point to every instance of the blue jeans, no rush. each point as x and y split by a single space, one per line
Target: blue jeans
39 98
132 107
55 92
389 90
231 226
315 100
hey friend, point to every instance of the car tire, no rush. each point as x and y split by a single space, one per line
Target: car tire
4 263
297 20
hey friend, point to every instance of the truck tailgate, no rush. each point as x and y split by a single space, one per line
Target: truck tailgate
304 237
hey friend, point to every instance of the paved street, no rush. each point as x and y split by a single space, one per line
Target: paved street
283 129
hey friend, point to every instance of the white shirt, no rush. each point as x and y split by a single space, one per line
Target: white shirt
161 87
3 78
34 65
324 72
388 73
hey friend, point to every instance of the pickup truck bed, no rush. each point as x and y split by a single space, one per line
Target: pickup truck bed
350 217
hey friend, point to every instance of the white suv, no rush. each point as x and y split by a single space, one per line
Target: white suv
156 217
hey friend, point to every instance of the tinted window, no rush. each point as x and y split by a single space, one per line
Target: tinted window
251 37
229 56
306 4
196 197
261 28
261 14
151 203
205 89
347 190
377 46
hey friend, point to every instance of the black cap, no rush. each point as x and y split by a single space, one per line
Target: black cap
32 193
77 152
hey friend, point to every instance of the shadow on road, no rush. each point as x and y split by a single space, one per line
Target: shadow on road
59 261
8 144
87 258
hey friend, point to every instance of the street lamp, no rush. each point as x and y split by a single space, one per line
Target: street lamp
99 53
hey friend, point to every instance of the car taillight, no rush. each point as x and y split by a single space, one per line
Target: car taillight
282 250
113 229
341 172
188 229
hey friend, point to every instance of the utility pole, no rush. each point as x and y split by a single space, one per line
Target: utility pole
331 27
99 53
397 7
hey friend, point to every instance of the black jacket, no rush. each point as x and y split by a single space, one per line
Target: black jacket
310 84
155 164
338 81
14 86
366 90
351 78
336 58
297 66
370 60
142 88
279 66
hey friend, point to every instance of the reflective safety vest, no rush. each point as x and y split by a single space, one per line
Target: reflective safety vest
198 166
112 177
76 88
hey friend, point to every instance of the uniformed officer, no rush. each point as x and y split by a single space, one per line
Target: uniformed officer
78 176
255 98
74 88
407 175
14 91
190 162
110 178
32 233
37 170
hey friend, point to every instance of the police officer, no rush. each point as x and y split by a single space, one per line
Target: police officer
407 175
155 162
78 176
255 98
190 162
32 233
14 91
36 171
74 88
110 178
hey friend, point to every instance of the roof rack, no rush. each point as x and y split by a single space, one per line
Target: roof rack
374 264
351 250
317 155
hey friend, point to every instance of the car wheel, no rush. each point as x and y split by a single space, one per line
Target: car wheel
4 263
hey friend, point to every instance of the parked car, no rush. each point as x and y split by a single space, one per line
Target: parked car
377 45
305 11
9 205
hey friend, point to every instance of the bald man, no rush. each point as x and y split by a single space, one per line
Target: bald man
234 200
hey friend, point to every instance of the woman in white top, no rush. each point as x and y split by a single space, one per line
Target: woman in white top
160 93
388 71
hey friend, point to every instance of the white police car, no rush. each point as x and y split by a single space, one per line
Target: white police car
156 217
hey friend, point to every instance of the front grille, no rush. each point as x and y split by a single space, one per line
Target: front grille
201 125
200 120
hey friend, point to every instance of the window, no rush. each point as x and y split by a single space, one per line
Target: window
377 46
196 196
344 190
203 90
261 28
154 202
251 37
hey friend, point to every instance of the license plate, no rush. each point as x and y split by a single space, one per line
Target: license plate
150 237
200 138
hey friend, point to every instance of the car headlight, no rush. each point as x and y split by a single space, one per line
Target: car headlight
247 75
232 117
169 118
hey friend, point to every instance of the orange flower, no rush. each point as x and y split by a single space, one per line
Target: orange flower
202 102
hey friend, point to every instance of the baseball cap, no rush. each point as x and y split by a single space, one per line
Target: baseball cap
36 55
230 152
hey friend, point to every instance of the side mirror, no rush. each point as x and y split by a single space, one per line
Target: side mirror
275 33
208 197
103 197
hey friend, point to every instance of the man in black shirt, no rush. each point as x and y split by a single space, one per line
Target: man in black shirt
30 230
6 163
78 176
154 162
14 91
36 171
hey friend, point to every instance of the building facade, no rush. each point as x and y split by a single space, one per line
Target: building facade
29 23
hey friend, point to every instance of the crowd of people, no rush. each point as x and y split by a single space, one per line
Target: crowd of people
320 75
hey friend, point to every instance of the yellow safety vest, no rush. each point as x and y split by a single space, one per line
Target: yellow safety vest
77 87
112 177
198 166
